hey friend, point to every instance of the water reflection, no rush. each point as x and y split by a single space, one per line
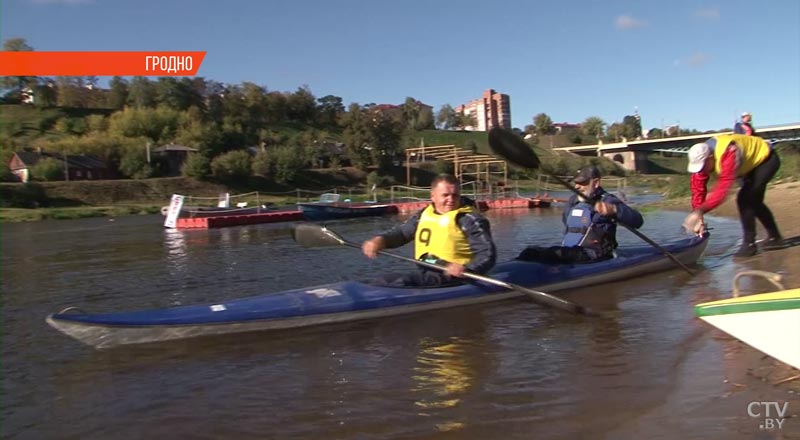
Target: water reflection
442 369
490 371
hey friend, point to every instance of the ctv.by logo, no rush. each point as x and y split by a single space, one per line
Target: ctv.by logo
774 414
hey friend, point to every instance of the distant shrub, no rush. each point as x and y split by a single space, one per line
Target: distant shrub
288 164
48 169
264 163
196 166
232 166
134 165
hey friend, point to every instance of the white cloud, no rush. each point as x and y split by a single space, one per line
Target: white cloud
628 22
707 14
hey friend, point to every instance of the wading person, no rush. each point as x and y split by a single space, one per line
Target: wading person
449 232
732 157
591 228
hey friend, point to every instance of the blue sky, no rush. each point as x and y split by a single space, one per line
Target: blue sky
699 64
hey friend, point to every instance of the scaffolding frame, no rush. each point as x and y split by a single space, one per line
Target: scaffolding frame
461 158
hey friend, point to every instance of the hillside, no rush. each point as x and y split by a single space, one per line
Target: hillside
23 123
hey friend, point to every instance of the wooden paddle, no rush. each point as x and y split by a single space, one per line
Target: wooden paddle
313 235
513 148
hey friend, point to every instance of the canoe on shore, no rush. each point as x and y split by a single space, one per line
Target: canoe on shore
354 300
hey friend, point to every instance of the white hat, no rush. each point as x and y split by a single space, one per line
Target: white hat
697 157
746 114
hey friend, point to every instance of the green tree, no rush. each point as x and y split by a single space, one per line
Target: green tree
287 164
71 92
329 110
425 121
464 120
117 93
142 92
177 94
233 166
446 118
633 127
357 136
301 106
615 132
543 124
45 95
276 107
386 133
593 126
411 109
15 84
196 166
134 164
264 164
158 125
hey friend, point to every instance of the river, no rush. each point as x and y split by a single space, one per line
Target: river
508 370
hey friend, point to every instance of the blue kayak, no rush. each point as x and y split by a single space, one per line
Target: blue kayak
354 300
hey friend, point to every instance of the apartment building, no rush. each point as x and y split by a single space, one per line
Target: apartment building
490 110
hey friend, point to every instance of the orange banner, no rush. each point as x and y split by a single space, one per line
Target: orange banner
100 63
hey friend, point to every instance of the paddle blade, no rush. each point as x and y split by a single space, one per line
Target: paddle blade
314 235
512 148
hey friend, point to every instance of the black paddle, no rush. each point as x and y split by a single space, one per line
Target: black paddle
313 235
513 148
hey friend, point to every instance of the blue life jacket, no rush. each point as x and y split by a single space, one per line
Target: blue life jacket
581 231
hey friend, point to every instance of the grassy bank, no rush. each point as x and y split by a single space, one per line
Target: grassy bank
25 215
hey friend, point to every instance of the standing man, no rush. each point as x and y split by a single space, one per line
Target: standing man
745 126
449 232
590 224
734 156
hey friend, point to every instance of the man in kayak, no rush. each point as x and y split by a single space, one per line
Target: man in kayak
732 157
449 232
591 224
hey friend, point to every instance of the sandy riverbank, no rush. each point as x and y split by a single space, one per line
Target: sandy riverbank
748 375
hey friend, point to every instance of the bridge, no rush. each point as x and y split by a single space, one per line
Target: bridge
632 155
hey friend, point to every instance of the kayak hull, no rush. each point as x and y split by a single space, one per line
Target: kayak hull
353 300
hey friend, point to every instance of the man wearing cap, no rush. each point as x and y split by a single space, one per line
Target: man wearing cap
734 156
745 126
590 221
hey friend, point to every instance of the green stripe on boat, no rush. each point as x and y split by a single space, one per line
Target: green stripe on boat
754 304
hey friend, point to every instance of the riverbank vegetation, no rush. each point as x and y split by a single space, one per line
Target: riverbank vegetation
250 138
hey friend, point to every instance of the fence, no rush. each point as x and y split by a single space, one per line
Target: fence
477 190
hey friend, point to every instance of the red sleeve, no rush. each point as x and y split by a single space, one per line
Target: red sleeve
727 176
698 186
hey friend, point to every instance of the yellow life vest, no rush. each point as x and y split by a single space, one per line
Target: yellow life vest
440 236
753 149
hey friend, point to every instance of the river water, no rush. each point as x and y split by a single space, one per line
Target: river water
512 369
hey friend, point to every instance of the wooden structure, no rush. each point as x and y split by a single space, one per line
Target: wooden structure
482 167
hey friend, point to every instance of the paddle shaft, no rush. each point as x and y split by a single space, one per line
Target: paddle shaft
541 297
633 230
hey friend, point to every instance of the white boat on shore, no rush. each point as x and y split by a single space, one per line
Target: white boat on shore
769 322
